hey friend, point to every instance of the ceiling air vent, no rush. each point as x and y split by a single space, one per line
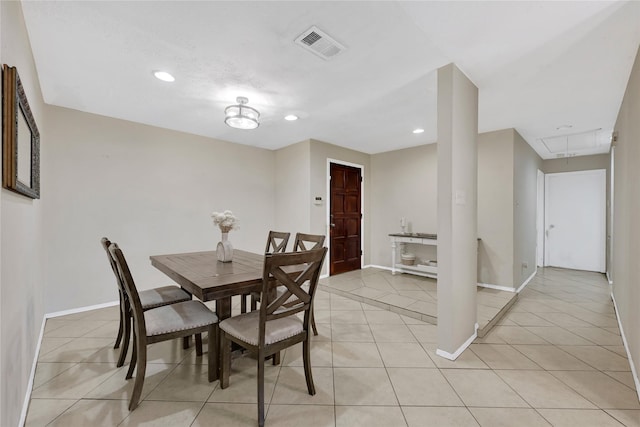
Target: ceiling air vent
319 43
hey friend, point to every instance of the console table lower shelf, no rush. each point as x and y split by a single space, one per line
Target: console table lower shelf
418 270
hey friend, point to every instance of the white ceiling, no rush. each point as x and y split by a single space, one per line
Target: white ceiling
539 66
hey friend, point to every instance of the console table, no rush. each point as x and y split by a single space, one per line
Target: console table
400 239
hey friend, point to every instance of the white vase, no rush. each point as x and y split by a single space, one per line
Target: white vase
225 250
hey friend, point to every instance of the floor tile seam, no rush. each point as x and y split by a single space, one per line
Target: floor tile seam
198 414
575 390
65 411
557 326
590 372
616 418
617 380
146 397
55 376
561 382
505 383
53 349
451 385
595 367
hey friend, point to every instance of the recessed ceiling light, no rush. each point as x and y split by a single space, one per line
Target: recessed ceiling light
418 130
291 117
164 76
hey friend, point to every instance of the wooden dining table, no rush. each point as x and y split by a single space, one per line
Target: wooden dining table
206 278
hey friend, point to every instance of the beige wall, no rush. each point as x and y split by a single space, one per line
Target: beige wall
321 152
626 233
495 207
149 189
505 162
21 236
573 164
404 184
526 163
293 188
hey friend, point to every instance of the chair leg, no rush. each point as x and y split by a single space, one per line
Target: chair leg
127 337
142 367
313 322
134 357
225 356
254 303
185 342
243 303
276 358
120 328
306 357
213 355
261 388
199 344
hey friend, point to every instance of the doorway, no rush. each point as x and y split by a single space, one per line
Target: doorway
575 220
540 220
345 218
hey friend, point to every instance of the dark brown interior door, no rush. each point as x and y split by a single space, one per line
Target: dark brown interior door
345 219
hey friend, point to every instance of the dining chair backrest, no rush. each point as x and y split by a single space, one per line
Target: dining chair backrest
277 242
129 288
105 244
279 267
305 242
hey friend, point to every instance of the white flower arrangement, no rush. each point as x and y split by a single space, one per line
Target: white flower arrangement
225 220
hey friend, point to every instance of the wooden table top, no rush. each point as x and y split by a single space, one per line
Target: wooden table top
209 279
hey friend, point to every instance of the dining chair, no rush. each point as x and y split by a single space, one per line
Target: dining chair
149 299
276 326
304 242
276 243
163 323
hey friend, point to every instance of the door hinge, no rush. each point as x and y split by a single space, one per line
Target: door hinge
360 253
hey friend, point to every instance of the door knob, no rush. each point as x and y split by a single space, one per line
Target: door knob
332 224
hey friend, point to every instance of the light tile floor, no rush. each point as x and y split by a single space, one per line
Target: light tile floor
412 296
556 358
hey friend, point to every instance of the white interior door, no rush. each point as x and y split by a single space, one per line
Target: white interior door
575 220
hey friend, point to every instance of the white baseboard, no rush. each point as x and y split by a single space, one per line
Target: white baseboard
634 372
609 278
80 310
526 282
381 267
463 347
27 397
497 287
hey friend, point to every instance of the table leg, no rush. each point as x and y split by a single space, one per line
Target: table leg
186 340
223 311
393 257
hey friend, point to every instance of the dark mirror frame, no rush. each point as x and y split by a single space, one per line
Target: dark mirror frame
14 105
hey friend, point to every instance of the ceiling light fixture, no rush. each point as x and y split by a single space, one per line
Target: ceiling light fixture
419 130
164 76
291 117
241 116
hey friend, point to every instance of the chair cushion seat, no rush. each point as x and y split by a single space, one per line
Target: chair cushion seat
178 317
162 296
245 328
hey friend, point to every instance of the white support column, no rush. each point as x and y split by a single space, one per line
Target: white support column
457 211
